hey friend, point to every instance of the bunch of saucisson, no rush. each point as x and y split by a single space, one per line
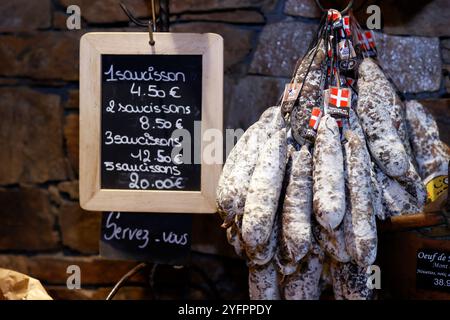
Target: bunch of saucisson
301 190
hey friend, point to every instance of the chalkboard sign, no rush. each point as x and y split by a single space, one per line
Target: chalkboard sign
144 99
433 270
160 238
146 117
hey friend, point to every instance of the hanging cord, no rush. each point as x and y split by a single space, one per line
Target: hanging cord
334 77
132 17
326 40
317 35
365 48
349 45
151 280
122 280
151 24
311 45
310 64
306 75
307 53
353 43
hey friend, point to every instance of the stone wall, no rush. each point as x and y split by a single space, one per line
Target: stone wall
43 229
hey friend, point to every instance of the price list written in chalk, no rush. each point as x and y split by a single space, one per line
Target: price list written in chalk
145 98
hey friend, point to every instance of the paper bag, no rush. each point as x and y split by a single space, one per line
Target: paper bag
18 286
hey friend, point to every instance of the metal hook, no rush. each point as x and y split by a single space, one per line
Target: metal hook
349 6
151 30
131 16
150 34
151 24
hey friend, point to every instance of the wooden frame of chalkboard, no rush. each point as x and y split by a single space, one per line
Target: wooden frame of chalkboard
95 193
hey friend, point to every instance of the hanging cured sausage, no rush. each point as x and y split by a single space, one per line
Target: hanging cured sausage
383 140
295 236
301 190
328 175
238 170
263 193
359 223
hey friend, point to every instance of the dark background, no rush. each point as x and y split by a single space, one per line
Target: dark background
42 227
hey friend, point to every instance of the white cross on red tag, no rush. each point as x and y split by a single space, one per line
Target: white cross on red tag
316 115
339 97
